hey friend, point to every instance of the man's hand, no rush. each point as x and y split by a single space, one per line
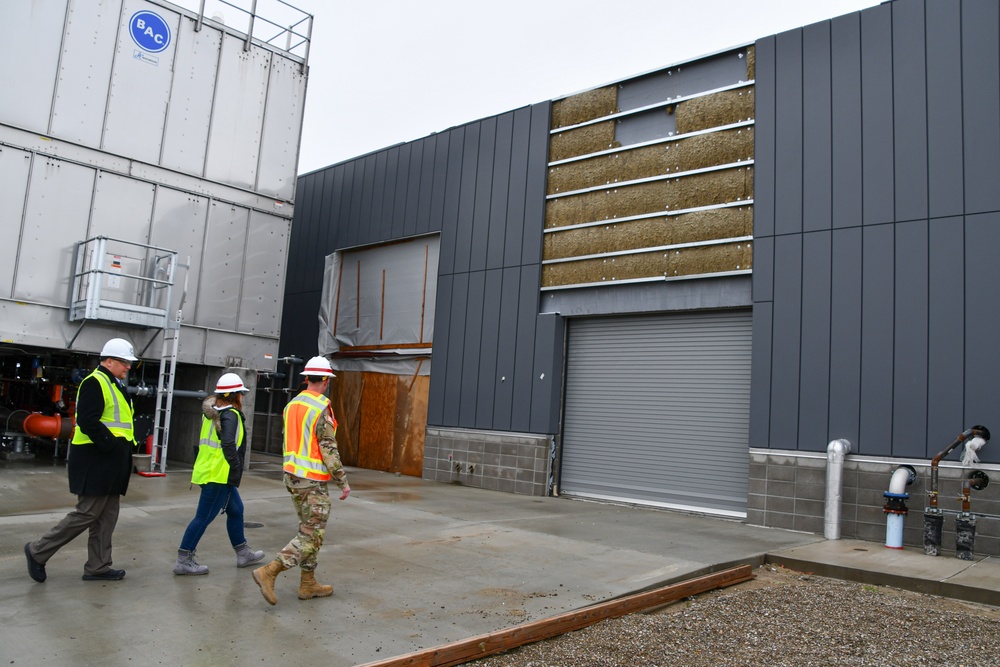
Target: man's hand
346 492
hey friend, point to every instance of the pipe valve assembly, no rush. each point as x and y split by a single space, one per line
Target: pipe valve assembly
965 523
895 505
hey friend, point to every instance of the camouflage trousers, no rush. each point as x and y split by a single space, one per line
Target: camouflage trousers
312 504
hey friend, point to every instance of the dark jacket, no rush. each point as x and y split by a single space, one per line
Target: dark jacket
102 467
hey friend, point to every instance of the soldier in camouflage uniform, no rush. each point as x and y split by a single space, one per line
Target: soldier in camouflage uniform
311 460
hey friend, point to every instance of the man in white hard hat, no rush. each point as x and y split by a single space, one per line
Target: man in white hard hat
311 460
99 464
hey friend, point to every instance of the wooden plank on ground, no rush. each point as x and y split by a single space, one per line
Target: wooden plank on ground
503 640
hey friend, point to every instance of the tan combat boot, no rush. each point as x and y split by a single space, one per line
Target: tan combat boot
310 588
264 576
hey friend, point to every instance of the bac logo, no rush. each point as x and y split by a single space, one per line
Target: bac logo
149 31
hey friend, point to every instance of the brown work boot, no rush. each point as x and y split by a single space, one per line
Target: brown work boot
310 588
264 576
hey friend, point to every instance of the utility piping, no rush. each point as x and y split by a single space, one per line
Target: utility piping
836 452
895 505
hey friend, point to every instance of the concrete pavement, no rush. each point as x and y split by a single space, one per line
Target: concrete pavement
414 563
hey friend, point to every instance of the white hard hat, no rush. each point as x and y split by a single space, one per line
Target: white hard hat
119 348
318 366
228 383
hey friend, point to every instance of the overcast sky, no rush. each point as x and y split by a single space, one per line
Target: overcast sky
389 71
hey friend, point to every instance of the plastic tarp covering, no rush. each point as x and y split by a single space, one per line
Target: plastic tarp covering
377 308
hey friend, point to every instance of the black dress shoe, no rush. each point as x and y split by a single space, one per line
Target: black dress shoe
107 575
35 569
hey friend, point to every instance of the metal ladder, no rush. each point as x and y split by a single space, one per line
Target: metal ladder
165 393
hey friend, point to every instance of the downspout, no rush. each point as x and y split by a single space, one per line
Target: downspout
836 452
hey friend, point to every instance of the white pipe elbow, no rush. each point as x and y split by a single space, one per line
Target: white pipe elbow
901 478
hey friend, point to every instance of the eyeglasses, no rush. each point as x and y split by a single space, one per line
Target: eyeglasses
124 362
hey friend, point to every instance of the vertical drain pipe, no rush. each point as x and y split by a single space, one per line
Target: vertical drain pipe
836 452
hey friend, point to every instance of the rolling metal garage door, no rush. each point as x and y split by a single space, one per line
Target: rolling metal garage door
657 410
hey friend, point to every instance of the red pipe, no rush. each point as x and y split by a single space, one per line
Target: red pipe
45 426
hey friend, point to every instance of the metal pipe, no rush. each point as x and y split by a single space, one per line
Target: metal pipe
836 452
933 515
895 505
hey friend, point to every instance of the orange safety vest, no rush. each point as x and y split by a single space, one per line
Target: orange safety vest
303 457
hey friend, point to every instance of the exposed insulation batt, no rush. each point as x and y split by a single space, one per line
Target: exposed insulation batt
697 152
723 108
670 264
585 106
725 223
717 187
583 141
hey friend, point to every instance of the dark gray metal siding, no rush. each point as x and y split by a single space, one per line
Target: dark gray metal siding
877 219
482 187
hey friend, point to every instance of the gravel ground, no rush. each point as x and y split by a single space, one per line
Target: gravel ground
781 618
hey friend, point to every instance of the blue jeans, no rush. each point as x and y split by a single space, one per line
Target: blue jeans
214 499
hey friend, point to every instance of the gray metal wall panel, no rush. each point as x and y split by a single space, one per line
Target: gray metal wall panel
189 114
761 358
763 269
454 353
909 387
500 190
382 226
402 188
34 27
14 168
814 373
467 199
442 339
85 71
845 39
788 146
845 336
366 221
764 139
547 376
786 341
279 146
179 223
484 187
123 208
982 318
946 333
944 119
299 243
877 288
503 397
221 277
237 114
646 126
524 358
517 190
534 197
980 101
909 92
490 335
60 191
876 115
351 197
472 349
267 243
137 100
441 144
425 193
411 208
371 215
452 192
817 201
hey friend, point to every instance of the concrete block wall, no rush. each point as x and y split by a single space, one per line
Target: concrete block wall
512 462
788 490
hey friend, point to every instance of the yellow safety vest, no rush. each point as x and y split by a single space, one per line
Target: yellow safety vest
303 457
211 464
117 415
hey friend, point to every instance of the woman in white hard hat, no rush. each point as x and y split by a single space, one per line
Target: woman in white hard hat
218 470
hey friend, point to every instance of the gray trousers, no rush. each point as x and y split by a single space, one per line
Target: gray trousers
99 514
